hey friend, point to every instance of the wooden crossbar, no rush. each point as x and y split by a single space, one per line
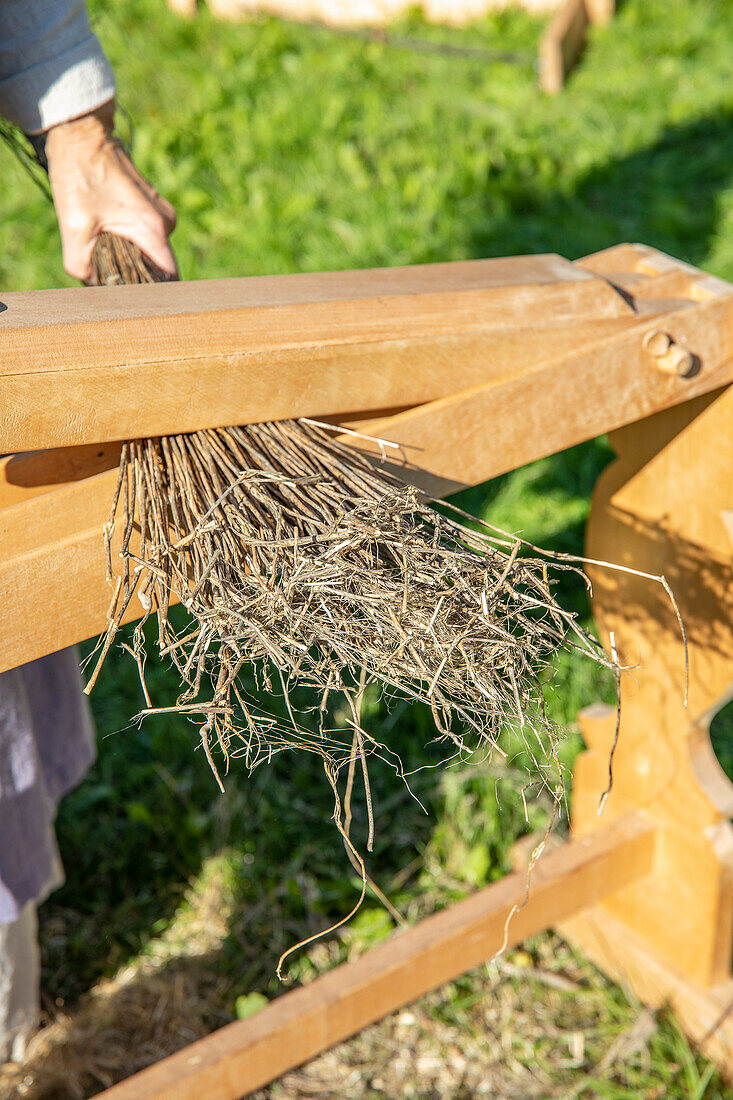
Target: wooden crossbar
84 366
598 371
50 541
469 437
244 1056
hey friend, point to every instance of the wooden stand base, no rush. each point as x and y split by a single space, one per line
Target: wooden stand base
705 1015
473 369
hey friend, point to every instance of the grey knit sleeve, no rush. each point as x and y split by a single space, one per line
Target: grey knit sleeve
52 67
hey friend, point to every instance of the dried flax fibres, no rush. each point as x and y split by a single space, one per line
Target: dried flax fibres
294 555
302 561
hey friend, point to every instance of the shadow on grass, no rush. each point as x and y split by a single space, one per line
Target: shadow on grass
664 196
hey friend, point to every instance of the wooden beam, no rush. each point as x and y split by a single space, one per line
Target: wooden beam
650 263
52 570
51 555
246 1055
30 473
467 438
642 273
564 39
51 560
90 365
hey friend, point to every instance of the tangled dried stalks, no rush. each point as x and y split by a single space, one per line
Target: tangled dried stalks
292 554
297 558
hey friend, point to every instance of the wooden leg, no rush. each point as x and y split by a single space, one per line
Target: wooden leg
186 8
660 509
705 1014
565 37
244 1056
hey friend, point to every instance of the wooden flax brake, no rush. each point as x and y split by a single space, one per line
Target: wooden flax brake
466 366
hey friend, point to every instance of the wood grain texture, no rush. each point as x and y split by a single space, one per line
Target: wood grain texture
445 445
52 570
469 437
84 366
246 1055
649 263
605 380
30 473
646 276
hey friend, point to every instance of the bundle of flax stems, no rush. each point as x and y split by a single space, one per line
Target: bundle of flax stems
302 563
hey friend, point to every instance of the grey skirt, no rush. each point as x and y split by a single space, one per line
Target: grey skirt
46 746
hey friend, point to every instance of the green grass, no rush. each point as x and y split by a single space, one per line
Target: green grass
287 148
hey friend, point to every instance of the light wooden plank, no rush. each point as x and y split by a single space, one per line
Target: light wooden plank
51 563
51 550
650 263
467 438
83 366
30 473
29 316
624 257
55 592
641 272
246 1055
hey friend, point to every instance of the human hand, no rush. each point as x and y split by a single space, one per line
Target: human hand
97 188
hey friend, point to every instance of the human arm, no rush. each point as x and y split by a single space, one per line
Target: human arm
55 81
96 188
